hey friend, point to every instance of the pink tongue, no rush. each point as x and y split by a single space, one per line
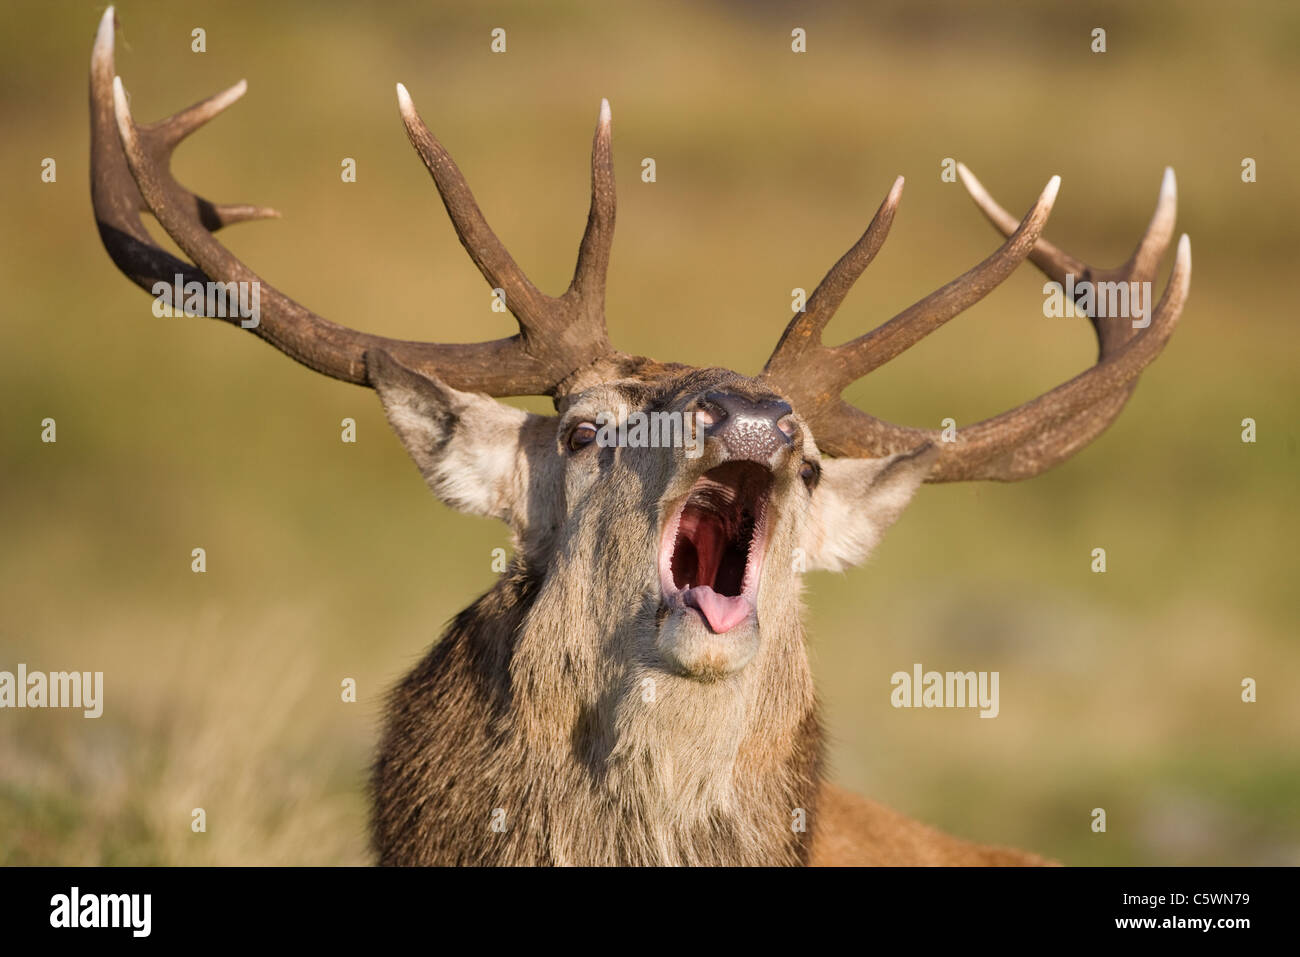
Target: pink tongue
722 612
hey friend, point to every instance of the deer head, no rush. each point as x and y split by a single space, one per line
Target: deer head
640 566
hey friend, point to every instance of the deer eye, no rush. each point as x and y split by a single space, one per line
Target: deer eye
810 473
583 434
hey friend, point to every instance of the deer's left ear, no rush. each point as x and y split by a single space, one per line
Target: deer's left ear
856 500
476 454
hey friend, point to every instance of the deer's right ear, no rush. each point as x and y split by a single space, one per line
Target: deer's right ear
475 453
856 500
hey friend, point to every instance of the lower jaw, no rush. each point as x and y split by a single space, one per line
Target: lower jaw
688 646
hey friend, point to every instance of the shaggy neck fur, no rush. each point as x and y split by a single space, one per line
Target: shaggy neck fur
534 734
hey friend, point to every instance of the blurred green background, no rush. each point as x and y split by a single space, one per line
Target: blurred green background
328 560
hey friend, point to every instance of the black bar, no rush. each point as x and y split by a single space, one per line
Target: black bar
302 906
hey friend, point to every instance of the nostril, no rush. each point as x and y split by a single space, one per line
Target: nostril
787 426
710 411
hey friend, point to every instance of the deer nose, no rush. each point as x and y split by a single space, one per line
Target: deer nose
747 428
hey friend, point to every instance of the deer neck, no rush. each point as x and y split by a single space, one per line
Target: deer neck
518 740
678 770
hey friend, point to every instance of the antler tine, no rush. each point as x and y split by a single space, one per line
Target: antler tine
588 285
885 342
1151 248
801 343
830 292
1045 256
531 307
130 172
564 334
171 131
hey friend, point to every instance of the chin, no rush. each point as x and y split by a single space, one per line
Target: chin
689 647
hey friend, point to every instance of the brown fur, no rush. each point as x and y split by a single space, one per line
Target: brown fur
475 728
853 831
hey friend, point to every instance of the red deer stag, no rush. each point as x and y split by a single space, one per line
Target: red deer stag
635 689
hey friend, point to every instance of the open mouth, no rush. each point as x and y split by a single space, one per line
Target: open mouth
712 549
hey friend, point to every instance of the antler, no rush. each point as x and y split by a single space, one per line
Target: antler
1024 441
130 173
